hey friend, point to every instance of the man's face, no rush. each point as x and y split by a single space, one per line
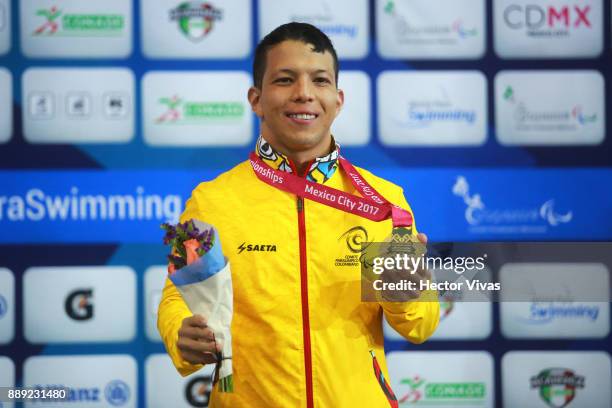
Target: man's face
298 99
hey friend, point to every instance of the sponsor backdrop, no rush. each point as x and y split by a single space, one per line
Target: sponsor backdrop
493 115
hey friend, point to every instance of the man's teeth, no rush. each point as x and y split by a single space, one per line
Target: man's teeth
306 116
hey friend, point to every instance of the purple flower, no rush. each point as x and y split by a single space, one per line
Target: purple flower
177 236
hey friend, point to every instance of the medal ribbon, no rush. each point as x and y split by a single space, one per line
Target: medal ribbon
371 206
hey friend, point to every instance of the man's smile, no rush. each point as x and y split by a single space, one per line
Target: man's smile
302 117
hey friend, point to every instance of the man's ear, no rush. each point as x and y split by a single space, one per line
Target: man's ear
339 101
254 96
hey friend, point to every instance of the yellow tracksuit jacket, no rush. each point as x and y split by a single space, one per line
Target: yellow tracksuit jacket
301 334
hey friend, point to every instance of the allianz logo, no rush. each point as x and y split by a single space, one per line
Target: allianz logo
116 393
476 212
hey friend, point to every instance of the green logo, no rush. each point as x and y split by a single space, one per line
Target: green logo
422 392
195 18
557 386
79 25
190 112
509 94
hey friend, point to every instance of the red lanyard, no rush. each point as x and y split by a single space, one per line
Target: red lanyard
371 206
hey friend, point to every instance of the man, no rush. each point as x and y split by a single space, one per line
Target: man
301 335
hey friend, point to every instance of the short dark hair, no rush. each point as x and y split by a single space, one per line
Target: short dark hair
304 32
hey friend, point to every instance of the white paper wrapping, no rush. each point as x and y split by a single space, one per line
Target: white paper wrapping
213 299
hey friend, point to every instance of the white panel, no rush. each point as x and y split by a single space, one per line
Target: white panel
7 377
79 304
74 28
7 306
430 29
560 306
345 22
432 108
196 29
154 280
538 379
352 125
551 29
78 105
92 380
197 108
550 107
5 26
166 388
6 105
442 379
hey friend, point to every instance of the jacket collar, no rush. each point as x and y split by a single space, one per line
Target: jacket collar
321 169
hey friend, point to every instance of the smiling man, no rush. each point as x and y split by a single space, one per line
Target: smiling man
302 336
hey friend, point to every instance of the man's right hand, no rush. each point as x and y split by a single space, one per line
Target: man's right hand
196 341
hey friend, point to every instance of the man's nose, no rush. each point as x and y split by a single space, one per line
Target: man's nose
303 90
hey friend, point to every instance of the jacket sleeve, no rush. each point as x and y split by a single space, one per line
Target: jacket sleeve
415 320
173 309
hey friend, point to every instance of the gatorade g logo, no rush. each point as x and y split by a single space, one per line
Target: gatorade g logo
256 247
197 391
78 306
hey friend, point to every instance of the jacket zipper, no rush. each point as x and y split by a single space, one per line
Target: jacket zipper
305 311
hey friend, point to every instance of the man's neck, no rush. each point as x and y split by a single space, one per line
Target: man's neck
303 158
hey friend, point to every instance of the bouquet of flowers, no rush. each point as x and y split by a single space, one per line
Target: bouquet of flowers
202 276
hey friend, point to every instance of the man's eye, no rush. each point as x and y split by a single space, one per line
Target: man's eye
283 80
322 80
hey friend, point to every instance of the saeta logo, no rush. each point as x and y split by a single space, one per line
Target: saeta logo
179 111
542 20
197 391
78 305
557 386
256 247
78 25
195 19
